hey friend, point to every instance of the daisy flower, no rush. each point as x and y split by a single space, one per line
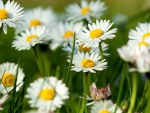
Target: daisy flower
97 32
88 62
79 47
86 11
138 56
64 33
104 106
31 37
3 99
141 33
8 73
47 94
10 13
130 53
35 17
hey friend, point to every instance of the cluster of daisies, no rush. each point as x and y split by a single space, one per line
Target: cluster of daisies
137 50
42 26
32 28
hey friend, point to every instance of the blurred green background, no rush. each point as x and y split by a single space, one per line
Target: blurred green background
135 11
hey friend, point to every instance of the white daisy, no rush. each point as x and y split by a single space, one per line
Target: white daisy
97 32
143 62
47 94
141 33
3 99
35 17
79 47
10 13
105 106
31 37
8 73
130 53
64 33
94 9
88 62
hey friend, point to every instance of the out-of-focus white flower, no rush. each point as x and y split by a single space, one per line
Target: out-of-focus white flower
64 33
94 9
104 106
47 94
37 17
88 62
96 33
3 99
8 73
98 94
138 56
31 37
10 13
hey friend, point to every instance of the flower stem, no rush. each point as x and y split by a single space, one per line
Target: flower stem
134 92
101 51
148 93
69 68
143 98
103 72
85 78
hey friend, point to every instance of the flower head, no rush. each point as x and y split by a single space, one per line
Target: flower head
98 94
97 32
104 106
140 36
138 56
94 9
64 33
8 73
37 17
31 37
88 62
10 13
47 94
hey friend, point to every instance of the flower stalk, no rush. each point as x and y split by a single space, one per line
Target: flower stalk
134 92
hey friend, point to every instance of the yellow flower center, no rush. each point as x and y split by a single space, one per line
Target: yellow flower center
68 34
84 49
96 33
145 35
35 22
3 14
8 79
47 94
143 43
104 111
30 37
87 63
85 10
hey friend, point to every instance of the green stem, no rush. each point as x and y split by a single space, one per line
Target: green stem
101 51
128 82
103 72
148 101
120 89
134 92
142 101
85 77
69 68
